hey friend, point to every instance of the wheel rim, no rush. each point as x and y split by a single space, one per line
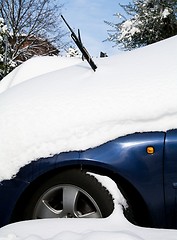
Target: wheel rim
66 201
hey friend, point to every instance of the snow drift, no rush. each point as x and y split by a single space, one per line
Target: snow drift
74 108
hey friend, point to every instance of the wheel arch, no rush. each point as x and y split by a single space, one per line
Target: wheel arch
131 194
128 190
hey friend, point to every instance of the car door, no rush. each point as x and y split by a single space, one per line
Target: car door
170 178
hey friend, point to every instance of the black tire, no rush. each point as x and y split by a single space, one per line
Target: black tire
69 194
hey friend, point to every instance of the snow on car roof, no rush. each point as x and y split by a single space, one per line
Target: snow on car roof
74 108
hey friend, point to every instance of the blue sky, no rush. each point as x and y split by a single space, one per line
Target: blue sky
89 16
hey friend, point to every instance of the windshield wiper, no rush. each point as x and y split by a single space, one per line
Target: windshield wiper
78 42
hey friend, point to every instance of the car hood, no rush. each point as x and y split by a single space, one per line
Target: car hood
73 108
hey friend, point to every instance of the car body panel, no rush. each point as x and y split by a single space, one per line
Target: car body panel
37 168
11 190
125 156
170 178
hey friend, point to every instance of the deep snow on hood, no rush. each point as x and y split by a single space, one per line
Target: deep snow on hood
35 66
74 108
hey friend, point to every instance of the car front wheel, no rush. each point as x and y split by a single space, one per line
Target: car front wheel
69 194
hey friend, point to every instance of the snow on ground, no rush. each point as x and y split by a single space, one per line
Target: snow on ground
115 227
48 108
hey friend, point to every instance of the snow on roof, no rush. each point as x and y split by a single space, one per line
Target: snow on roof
74 108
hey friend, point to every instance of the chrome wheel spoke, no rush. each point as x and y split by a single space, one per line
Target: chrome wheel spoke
70 196
46 211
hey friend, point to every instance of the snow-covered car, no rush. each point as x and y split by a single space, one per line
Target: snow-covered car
61 123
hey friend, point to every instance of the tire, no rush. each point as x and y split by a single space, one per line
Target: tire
69 194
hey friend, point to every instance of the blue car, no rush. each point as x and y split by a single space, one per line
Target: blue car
143 165
58 126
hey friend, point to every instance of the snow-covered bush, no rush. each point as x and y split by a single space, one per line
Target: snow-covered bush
6 64
150 21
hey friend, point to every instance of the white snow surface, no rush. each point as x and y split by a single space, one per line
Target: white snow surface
51 105
35 67
114 227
